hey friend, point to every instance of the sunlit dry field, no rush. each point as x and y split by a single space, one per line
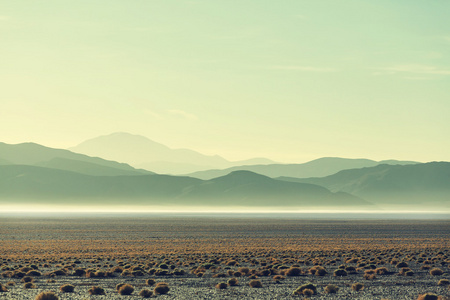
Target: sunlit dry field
201 257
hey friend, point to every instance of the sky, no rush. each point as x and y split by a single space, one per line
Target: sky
287 80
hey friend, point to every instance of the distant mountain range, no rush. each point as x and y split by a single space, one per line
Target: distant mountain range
142 152
425 184
315 168
38 155
32 173
20 183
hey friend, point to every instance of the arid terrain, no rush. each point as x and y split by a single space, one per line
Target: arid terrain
391 259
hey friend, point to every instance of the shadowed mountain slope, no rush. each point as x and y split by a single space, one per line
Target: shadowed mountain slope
419 183
35 154
22 183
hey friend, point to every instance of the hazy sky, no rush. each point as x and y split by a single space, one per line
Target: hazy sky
288 80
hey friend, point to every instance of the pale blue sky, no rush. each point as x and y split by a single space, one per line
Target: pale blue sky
287 80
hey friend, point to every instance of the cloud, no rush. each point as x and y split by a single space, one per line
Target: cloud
416 69
183 114
153 114
303 68
4 18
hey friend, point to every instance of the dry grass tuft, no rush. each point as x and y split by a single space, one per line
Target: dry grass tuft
331 289
145 293
47 296
357 286
255 283
436 272
96 290
67 288
429 296
221 285
126 289
232 282
161 288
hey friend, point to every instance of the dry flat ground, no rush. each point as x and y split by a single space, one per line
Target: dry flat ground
391 259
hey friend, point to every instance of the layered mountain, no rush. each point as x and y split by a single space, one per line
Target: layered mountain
38 155
427 184
316 168
142 152
21 183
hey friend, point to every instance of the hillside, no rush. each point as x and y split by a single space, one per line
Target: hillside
391 184
142 152
38 155
43 185
316 168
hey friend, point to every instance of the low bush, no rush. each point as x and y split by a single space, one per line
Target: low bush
331 289
232 281
47 296
221 285
436 272
161 288
255 283
357 286
67 288
145 293
126 289
96 290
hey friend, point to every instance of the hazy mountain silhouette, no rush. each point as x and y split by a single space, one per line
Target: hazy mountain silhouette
142 152
35 154
426 183
316 168
44 185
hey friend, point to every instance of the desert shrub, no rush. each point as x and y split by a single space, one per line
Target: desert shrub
161 288
150 282
79 272
331 289
199 274
232 281
10 283
237 274
3 288
232 263
382 271
33 273
444 282
340 272
436 272
244 270
27 279
47 296
29 285
357 286
401 265
308 292
428 296
255 283
350 270
221 285
51 280
145 293
67 288
320 271
308 286
126 289
278 278
219 275
96 290
293 271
